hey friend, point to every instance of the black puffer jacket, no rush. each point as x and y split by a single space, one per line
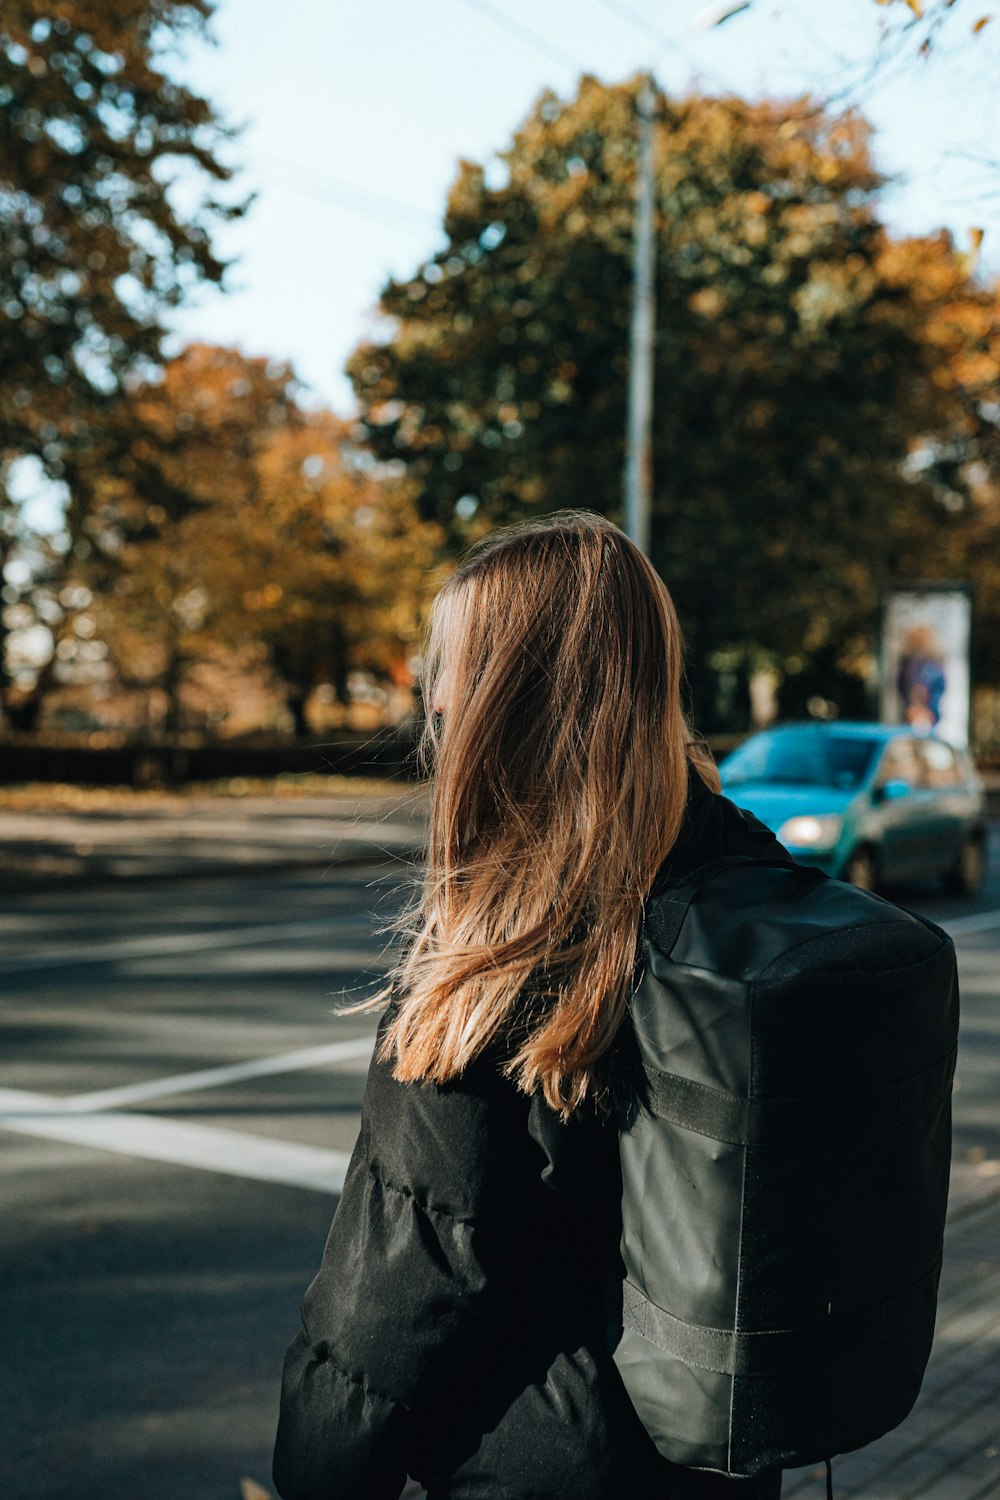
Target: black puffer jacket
456 1330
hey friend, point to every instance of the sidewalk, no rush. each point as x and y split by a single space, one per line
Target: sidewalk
173 835
949 1446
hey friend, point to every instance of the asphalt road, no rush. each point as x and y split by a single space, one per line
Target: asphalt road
177 1102
148 1304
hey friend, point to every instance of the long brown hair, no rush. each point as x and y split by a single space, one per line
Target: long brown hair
560 760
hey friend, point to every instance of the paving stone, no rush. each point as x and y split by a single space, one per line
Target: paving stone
978 1474
949 1446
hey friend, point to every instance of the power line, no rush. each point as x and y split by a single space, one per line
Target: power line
524 33
339 192
335 190
637 19
664 42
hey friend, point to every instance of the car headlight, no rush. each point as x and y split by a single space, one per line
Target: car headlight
808 832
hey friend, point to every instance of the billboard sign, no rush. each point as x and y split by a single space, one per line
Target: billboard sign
924 666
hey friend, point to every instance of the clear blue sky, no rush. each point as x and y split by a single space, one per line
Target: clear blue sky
357 111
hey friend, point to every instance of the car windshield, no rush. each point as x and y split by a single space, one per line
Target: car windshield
805 759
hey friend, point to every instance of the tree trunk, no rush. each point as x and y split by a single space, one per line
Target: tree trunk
171 684
296 703
175 758
7 518
700 695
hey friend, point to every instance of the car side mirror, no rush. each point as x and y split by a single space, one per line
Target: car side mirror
891 791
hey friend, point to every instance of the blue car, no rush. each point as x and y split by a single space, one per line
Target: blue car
867 803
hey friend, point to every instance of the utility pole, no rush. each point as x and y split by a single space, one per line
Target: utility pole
638 477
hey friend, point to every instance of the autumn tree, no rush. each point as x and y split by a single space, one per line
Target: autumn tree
285 543
177 448
794 372
39 612
335 563
952 526
100 145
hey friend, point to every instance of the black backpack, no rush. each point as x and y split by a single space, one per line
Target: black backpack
784 1192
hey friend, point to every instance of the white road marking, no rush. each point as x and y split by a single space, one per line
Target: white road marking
211 1078
235 1153
982 921
166 945
94 1120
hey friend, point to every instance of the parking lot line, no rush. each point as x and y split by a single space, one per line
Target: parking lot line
980 921
234 1153
167 945
98 1119
219 1077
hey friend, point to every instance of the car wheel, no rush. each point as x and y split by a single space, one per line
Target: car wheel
968 874
861 869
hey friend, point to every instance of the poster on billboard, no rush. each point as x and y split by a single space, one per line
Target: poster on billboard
924 667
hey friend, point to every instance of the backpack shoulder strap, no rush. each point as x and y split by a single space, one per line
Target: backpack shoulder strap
668 903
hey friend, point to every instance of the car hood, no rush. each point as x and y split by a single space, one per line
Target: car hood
774 801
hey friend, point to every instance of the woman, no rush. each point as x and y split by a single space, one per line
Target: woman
457 1328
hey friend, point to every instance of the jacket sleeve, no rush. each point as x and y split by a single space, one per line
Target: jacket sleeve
411 1285
337 1435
